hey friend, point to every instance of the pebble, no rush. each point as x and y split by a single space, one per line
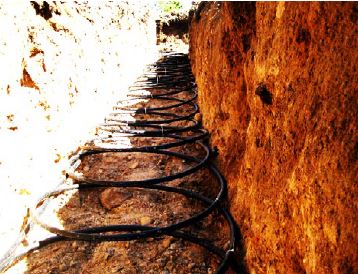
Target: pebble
166 242
145 220
113 197
198 117
134 165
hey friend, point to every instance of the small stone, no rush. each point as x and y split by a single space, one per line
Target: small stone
145 220
166 242
134 165
113 197
197 117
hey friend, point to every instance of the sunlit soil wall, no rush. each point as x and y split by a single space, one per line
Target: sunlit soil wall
62 67
278 92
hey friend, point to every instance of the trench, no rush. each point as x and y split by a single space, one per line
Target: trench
144 195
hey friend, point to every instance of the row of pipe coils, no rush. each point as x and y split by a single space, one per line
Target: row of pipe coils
164 80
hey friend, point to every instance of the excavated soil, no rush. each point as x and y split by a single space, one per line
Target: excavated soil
113 205
277 89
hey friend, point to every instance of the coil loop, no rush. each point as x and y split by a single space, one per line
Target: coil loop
164 81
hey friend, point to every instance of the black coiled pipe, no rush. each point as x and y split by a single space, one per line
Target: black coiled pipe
167 78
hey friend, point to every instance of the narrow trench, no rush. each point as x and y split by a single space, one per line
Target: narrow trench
143 196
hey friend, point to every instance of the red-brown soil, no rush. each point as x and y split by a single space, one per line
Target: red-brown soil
278 91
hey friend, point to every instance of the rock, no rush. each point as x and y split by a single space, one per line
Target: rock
166 242
134 165
113 197
198 117
145 220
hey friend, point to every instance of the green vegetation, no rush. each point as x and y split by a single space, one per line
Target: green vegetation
170 6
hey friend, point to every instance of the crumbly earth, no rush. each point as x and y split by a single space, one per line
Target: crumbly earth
278 92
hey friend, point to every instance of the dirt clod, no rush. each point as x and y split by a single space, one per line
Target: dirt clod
113 197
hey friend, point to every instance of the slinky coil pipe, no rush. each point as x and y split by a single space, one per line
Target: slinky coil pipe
171 76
